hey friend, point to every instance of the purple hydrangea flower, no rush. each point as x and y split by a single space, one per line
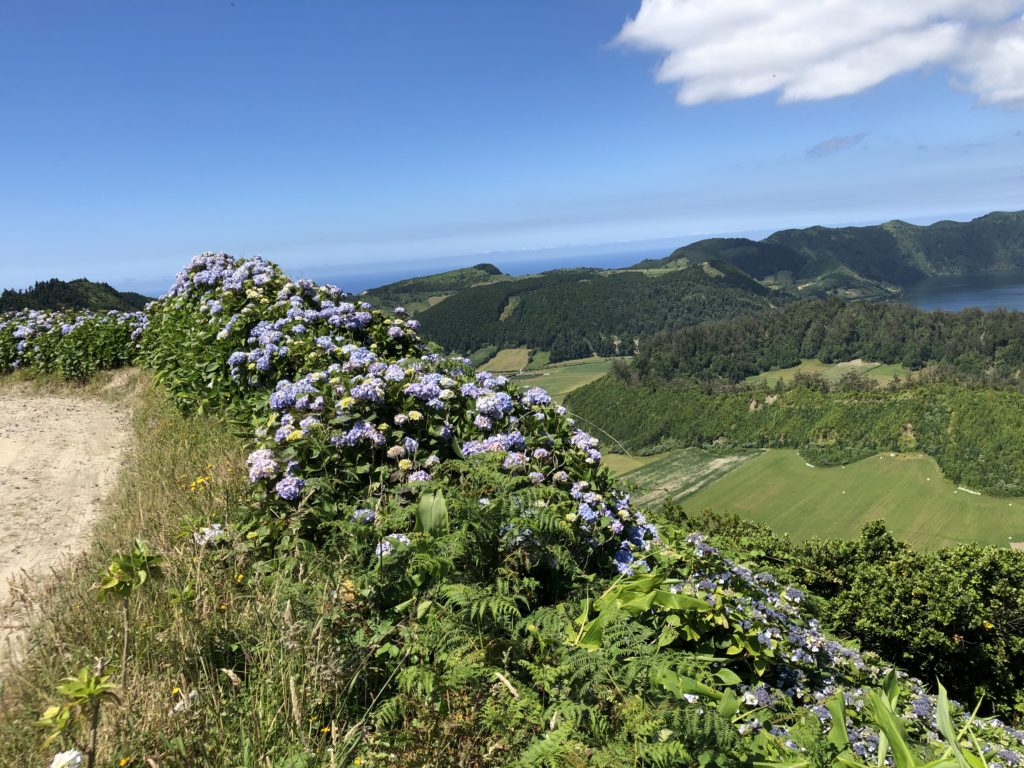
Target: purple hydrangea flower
290 488
262 465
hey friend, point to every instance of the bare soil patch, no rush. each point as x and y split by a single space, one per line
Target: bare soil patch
59 457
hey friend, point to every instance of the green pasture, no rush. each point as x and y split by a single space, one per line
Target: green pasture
508 360
620 463
833 372
908 491
559 379
674 474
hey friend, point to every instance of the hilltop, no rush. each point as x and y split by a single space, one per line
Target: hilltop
418 293
867 262
76 294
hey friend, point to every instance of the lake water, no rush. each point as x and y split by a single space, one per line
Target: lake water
1004 290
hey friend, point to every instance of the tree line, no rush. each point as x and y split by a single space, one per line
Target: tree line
57 294
970 343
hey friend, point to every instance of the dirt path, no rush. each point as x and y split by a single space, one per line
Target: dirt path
59 457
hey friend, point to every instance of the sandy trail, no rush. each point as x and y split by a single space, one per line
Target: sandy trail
59 457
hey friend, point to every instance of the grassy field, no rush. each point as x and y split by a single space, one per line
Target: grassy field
508 360
560 379
909 492
883 374
674 474
620 463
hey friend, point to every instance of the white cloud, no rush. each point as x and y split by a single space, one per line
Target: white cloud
817 49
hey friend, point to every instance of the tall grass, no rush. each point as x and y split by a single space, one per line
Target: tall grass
206 629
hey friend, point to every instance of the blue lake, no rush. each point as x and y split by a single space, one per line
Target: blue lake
1004 290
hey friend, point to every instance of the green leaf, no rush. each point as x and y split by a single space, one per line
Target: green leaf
728 677
591 637
673 602
881 712
837 734
729 704
423 608
432 514
944 721
678 685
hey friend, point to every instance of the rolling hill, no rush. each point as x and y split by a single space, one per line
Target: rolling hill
76 294
582 312
419 293
867 262
574 313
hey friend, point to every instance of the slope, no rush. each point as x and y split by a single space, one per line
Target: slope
76 294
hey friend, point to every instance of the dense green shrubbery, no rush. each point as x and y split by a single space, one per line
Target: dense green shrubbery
976 435
463 584
78 294
71 345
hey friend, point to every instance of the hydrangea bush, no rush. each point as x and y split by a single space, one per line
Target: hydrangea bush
71 344
350 404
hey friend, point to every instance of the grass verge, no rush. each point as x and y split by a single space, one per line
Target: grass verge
180 636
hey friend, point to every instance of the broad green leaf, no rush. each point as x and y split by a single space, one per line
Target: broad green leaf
879 707
678 685
591 637
837 734
432 514
674 602
728 677
945 724
728 704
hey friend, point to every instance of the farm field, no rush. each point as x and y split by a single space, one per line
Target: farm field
908 491
676 474
507 360
833 372
620 463
560 379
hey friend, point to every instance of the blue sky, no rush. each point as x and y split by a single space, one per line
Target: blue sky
355 139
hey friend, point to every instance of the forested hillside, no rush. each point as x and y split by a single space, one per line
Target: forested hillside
866 262
76 294
581 312
970 343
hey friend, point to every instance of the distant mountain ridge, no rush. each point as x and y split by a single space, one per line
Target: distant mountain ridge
864 261
74 294
579 312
